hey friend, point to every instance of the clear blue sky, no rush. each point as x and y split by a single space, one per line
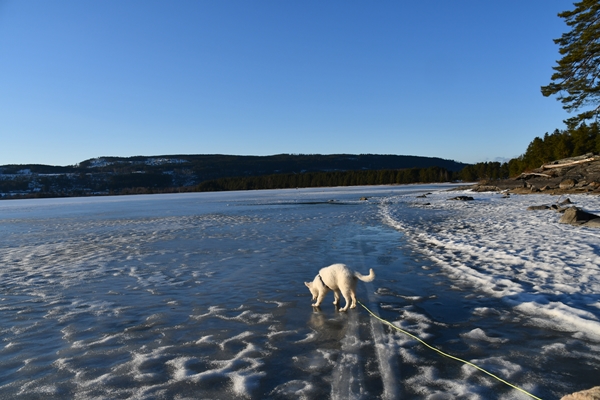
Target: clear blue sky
454 79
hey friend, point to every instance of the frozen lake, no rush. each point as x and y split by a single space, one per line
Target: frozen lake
201 296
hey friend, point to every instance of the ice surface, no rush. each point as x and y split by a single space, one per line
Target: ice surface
202 296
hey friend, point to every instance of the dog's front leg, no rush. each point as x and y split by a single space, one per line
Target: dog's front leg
319 300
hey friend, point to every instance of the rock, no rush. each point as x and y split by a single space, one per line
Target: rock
570 216
567 184
545 188
565 201
575 216
462 198
590 394
486 188
520 191
535 208
364 198
423 196
593 223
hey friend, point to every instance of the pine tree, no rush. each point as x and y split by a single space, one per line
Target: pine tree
577 76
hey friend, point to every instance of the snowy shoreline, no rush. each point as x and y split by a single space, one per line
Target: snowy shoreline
539 267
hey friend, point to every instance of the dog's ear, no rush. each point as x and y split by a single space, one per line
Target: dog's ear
308 284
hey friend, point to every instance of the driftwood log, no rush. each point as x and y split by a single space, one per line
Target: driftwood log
571 161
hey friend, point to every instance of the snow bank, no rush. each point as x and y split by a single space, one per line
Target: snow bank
545 270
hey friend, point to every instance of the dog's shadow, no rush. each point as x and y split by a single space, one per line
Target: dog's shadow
317 309
328 328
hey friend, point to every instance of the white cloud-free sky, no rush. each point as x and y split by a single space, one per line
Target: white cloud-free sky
453 79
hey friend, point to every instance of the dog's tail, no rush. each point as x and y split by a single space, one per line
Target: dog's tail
367 278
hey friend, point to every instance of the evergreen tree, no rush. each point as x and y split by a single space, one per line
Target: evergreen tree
577 76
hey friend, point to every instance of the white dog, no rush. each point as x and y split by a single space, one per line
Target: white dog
339 278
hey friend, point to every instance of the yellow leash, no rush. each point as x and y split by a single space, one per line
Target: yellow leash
446 354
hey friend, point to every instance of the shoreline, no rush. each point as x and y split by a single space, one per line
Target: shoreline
511 186
575 175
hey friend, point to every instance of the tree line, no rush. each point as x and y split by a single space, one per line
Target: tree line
331 178
570 142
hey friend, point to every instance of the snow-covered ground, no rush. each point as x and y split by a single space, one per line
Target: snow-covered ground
544 269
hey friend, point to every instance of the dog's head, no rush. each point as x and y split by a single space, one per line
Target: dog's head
313 290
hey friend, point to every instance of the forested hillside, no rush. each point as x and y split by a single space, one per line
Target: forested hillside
176 173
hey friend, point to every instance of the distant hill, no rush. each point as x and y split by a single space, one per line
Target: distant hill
143 174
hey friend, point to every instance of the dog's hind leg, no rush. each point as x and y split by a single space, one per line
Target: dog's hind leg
348 298
352 292
336 297
353 296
